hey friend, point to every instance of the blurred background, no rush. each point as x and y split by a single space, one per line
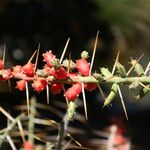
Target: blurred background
124 26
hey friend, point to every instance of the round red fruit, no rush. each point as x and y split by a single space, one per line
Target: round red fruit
28 69
83 66
90 86
60 74
28 146
21 85
7 74
48 57
18 69
39 84
73 92
1 64
56 88
47 69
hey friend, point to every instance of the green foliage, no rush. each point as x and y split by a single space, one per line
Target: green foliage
127 15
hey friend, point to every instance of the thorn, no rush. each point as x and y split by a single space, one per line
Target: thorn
79 144
144 86
9 86
27 97
21 130
4 56
84 101
134 64
11 142
37 57
64 96
103 106
64 51
47 93
32 57
69 63
147 69
94 51
101 91
114 67
123 104
6 114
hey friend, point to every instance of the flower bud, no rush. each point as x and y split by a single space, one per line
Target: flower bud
1 64
84 55
28 69
138 68
83 67
7 74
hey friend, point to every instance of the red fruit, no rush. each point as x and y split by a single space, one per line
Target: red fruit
73 92
48 57
18 69
61 73
7 74
28 69
83 66
21 85
1 64
28 146
39 84
56 88
47 69
90 86
119 140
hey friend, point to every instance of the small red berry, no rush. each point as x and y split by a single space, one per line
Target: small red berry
120 140
73 92
18 69
21 85
28 146
56 88
83 66
90 86
47 69
28 69
61 73
48 57
39 84
1 64
7 74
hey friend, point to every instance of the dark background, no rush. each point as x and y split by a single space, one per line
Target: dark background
25 23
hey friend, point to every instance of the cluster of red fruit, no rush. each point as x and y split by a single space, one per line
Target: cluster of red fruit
54 69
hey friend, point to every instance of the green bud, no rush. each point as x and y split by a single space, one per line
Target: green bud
105 72
121 69
56 64
69 64
134 85
143 92
138 68
112 94
71 109
41 73
85 55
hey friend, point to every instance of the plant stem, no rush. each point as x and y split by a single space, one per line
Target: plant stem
61 135
63 125
111 80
